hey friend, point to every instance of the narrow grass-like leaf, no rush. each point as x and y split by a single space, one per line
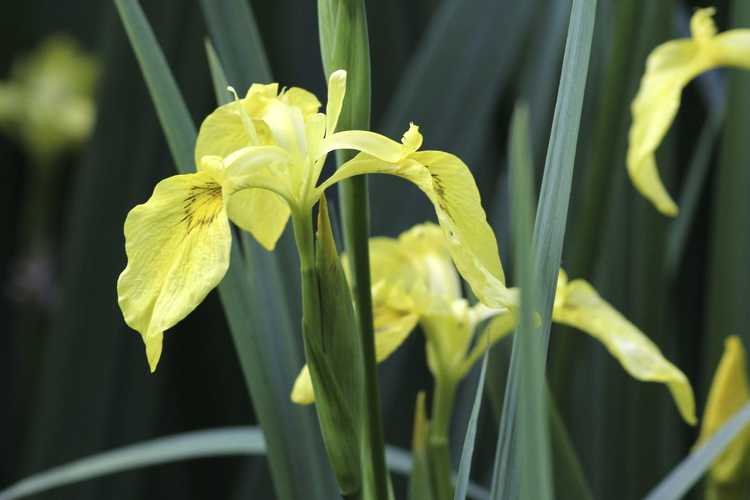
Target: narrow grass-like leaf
690 470
533 451
173 114
549 229
220 442
191 445
268 365
235 33
345 44
467 454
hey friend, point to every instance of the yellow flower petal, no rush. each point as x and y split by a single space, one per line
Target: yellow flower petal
256 181
376 145
449 185
578 304
178 246
426 249
300 98
729 393
668 69
262 213
336 92
287 125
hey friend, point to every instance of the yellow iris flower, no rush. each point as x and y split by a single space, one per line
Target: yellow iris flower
259 160
48 101
414 282
729 393
669 68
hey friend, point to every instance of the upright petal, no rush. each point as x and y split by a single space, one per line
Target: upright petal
336 92
729 393
178 246
449 185
578 304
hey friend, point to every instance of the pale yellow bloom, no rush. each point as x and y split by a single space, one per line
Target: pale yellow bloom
729 393
262 157
48 101
415 282
669 68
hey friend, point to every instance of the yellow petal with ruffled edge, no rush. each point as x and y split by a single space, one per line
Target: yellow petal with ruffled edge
178 245
578 304
668 69
451 188
729 393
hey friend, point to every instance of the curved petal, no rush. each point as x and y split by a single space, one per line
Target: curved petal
300 98
578 304
449 185
733 48
374 144
178 246
668 69
729 393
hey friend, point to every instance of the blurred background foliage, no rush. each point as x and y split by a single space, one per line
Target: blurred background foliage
74 377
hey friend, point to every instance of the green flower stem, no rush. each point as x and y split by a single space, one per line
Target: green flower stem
438 444
356 222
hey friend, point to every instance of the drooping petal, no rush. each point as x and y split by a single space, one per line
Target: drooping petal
729 393
668 69
178 246
578 304
262 213
449 185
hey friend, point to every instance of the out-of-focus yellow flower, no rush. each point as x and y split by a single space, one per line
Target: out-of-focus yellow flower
259 161
668 69
48 101
729 393
415 282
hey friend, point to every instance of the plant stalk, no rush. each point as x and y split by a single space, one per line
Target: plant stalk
438 443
